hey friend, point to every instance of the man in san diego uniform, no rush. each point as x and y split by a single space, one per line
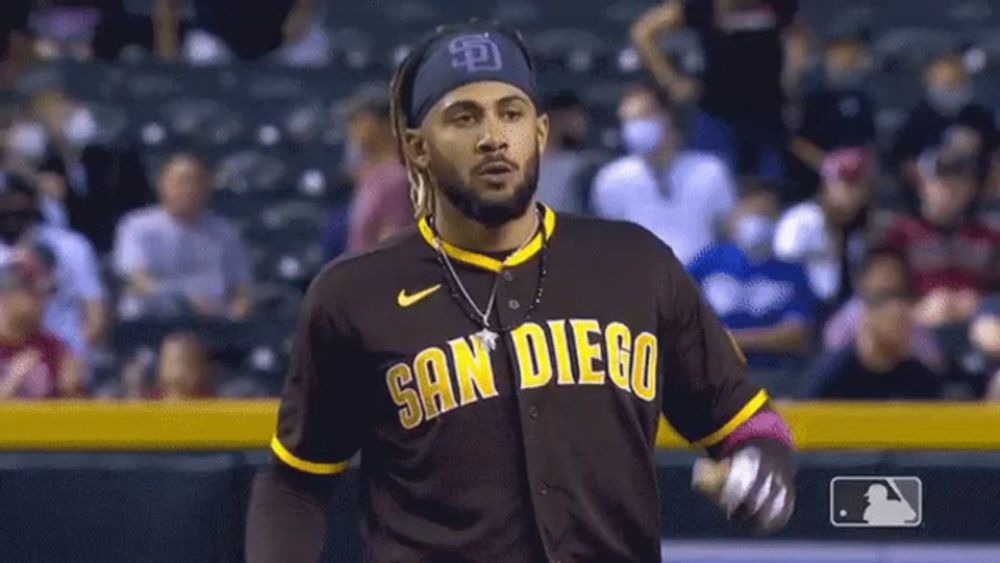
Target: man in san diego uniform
502 368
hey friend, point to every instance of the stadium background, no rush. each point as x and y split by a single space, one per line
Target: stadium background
104 480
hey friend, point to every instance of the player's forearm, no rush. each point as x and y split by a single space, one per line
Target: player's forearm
644 35
287 515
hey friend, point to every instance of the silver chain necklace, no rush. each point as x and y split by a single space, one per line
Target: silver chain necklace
486 336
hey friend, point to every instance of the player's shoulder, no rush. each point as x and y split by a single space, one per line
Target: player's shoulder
598 236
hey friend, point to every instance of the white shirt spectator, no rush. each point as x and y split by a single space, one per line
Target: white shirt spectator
803 236
78 280
558 178
684 206
205 259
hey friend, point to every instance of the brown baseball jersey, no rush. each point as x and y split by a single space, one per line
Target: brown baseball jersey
541 449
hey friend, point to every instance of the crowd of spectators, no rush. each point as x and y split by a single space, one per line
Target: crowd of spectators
844 264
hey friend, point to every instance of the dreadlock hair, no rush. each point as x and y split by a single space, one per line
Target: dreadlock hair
401 94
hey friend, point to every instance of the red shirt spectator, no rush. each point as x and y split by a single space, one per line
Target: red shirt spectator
33 363
963 258
954 258
381 204
28 370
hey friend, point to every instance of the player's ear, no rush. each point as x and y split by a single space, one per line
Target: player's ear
415 147
542 131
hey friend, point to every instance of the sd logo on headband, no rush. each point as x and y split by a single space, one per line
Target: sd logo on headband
475 53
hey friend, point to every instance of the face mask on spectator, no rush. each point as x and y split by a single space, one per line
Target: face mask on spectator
81 128
949 100
643 136
754 234
29 140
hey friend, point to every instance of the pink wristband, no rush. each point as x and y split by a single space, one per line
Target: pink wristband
765 424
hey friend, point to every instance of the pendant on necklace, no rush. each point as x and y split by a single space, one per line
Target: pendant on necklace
488 338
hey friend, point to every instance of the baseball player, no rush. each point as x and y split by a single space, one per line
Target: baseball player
502 368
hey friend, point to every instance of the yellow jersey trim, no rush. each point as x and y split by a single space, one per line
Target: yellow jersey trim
488 262
308 466
748 410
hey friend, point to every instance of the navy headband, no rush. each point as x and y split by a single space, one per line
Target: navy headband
466 57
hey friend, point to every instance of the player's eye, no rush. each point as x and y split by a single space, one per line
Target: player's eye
463 119
512 114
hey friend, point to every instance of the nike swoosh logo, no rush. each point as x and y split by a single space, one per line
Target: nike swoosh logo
405 300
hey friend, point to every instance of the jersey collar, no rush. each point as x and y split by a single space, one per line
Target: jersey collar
488 262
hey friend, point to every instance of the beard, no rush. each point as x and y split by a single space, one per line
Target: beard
490 213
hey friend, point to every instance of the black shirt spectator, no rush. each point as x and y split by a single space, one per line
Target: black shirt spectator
948 101
743 53
842 375
102 186
834 118
250 29
880 363
739 94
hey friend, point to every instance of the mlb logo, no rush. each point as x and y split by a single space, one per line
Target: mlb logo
876 502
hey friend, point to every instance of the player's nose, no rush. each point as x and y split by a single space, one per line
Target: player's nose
493 137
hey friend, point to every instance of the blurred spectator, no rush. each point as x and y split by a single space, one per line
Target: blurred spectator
953 256
177 257
740 94
33 362
84 184
681 196
948 100
989 205
764 301
562 181
15 40
380 205
285 31
838 114
842 328
827 234
983 363
77 312
184 371
879 363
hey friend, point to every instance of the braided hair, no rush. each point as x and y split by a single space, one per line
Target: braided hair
401 94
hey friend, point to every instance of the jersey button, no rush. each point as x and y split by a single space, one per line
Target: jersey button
508 275
543 490
514 304
533 412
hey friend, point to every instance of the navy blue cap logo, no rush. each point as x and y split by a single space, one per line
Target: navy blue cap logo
475 53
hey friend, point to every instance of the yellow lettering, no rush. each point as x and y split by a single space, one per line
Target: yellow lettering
473 369
431 369
618 339
532 355
586 351
564 368
410 413
644 366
